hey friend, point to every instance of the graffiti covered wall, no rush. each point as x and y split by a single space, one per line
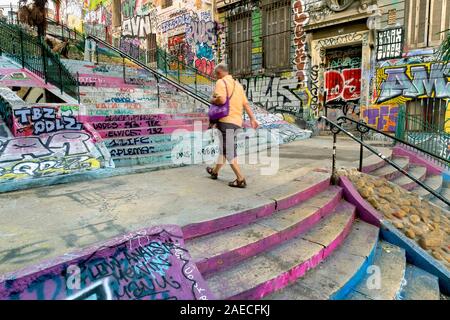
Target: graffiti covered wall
150 264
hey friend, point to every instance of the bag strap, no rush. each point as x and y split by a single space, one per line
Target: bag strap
226 88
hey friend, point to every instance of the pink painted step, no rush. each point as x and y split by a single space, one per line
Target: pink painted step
215 252
419 172
264 204
389 172
267 272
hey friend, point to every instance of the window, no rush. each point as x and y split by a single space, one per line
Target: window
240 43
166 3
426 19
151 47
276 34
426 114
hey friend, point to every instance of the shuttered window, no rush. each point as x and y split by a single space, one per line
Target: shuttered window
276 34
151 47
426 21
240 43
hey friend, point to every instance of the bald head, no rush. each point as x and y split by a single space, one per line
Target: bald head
221 70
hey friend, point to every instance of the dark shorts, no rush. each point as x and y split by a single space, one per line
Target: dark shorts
228 143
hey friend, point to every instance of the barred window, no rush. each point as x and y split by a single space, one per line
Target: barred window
276 23
240 43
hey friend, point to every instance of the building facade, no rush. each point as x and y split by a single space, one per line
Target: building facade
367 59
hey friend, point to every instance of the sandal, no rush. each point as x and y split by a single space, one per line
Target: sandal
213 175
238 184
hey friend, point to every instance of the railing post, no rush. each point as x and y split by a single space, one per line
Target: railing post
157 92
22 53
361 153
334 177
44 59
78 87
179 76
60 77
123 69
195 83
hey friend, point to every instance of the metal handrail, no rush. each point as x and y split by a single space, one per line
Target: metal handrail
156 73
336 129
33 53
344 119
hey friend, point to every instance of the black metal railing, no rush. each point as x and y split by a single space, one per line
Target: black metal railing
336 128
33 53
62 31
364 128
158 75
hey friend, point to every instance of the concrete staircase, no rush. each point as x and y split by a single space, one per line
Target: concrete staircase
306 244
429 174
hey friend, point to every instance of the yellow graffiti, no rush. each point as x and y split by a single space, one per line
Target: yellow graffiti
12 174
447 118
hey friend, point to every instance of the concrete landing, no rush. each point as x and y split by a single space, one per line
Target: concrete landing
42 223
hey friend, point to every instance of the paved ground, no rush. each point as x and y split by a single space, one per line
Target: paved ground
41 223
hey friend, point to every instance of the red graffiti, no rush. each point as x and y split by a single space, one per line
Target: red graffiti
300 58
345 85
205 66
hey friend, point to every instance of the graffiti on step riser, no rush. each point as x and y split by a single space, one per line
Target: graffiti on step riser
151 264
60 153
415 81
39 120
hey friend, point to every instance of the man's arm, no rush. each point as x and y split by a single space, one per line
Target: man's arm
219 95
251 115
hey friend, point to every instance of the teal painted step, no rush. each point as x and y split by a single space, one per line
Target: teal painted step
385 277
276 268
339 273
419 285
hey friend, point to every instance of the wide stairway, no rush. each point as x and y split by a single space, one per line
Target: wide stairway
306 243
430 176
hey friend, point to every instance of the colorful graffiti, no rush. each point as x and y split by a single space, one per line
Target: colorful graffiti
381 117
150 264
59 153
37 120
398 84
301 18
343 86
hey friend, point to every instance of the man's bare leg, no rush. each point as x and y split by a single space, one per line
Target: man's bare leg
237 170
220 163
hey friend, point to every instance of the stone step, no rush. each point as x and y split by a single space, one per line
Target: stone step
256 277
419 285
385 277
374 162
389 172
434 182
418 172
216 251
338 274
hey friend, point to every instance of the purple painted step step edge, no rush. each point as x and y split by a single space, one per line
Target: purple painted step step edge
415 158
227 259
247 216
289 277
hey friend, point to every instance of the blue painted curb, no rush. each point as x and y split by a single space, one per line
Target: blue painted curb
416 255
343 292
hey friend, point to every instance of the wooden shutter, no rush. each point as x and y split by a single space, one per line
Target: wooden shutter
422 23
438 17
151 47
